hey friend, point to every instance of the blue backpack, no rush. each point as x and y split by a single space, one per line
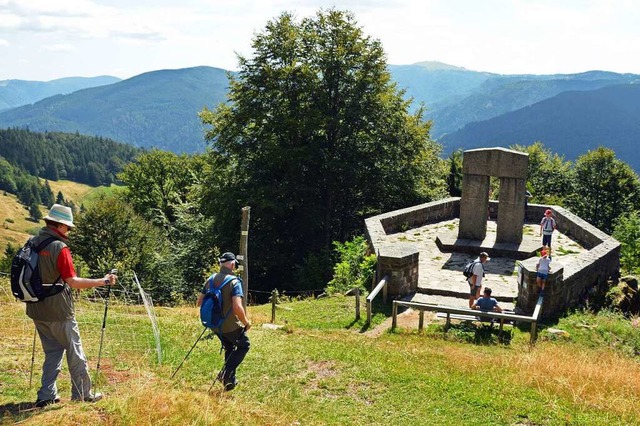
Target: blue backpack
211 313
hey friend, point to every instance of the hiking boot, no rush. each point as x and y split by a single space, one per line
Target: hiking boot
95 397
40 403
230 386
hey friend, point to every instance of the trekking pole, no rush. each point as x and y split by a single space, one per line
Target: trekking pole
33 355
220 375
189 353
104 325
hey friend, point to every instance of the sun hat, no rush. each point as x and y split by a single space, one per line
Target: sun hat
60 214
485 254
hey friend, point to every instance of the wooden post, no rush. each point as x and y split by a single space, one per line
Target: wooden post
357 304
534 332
384 292
274 301
368 311
394 315
244 266
421 320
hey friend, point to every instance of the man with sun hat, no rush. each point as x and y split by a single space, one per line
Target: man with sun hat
54 316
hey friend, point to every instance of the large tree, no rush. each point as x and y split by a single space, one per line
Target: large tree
627 231
315 137
605 188
550 177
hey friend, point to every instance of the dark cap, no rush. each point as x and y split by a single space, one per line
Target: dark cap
228 257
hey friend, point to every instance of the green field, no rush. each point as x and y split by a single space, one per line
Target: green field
15 225
323 367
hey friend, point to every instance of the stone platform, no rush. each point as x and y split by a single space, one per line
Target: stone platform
440 271
526 249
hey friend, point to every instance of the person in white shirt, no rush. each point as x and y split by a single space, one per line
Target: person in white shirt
543 267
475 280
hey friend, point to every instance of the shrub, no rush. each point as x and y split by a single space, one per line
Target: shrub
355 267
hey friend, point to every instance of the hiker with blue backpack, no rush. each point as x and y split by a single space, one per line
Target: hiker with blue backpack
221 310
47 261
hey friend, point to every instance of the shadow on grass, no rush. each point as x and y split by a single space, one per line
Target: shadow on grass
484 333
18 411
379 313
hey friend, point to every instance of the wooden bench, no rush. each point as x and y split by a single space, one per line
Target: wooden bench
473 318
466 312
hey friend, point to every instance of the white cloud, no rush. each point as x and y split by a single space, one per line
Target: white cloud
60 48
3 42
507 36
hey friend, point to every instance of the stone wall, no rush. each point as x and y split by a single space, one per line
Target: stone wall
401 264
569 224
568 286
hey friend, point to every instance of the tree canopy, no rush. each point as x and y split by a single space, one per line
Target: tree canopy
314 138
604 188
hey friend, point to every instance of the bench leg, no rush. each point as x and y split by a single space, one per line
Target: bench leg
534 332
448 323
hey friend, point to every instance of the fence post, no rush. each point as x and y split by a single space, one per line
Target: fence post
394 314
357 304
421 320
274 301
244 241
384 292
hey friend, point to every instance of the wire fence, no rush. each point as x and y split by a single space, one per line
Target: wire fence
131 334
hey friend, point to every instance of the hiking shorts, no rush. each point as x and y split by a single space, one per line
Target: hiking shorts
542 275
473 290
546 240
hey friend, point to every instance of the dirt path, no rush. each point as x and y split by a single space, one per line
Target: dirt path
407 319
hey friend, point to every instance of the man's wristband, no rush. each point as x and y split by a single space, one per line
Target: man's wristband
106 281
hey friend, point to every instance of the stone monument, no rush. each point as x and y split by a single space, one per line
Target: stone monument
511 167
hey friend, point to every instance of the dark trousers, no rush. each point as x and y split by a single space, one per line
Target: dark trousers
236 345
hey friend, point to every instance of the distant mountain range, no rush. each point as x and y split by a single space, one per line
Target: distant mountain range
570 123
155 109
15 93
569 113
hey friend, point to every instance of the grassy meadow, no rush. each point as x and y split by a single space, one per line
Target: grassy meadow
324 368
15 224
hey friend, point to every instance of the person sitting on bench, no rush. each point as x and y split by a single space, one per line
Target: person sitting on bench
486 302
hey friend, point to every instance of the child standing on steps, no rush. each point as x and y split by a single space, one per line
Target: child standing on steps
547 226
543 267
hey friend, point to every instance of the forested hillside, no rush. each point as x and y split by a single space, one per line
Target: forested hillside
157 109
15 93
570 123
160 109
85 159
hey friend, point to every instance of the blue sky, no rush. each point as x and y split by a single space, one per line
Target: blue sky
48 39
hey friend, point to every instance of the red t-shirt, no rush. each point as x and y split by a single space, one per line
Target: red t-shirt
65 264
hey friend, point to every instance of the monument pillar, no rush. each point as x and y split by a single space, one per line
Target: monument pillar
474 207
511 210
